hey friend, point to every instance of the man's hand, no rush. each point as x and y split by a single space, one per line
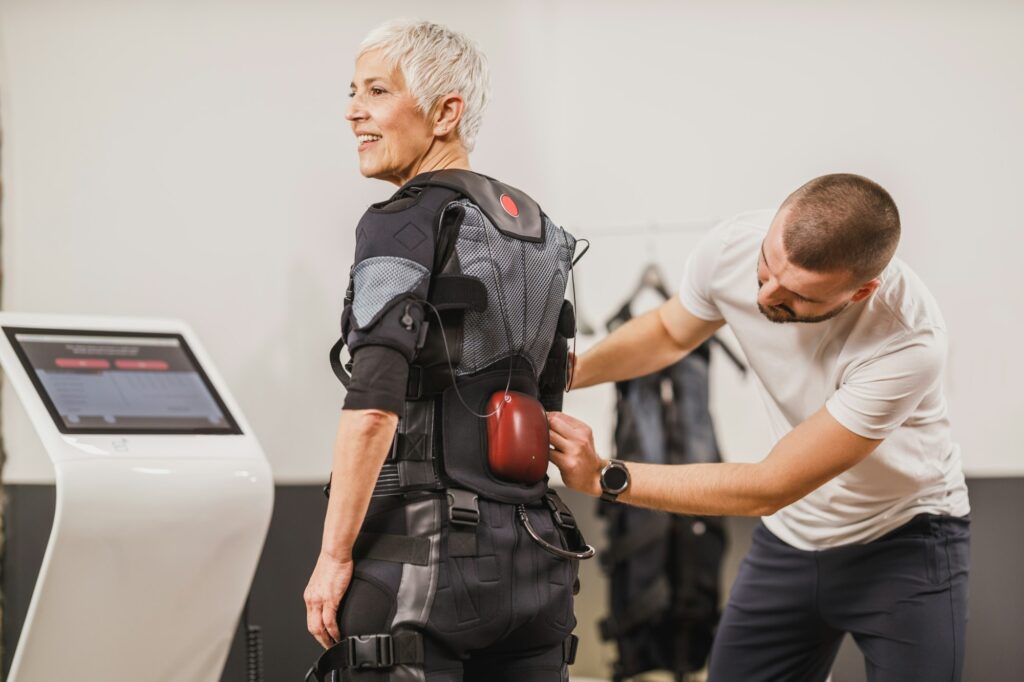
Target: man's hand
573 453
323 594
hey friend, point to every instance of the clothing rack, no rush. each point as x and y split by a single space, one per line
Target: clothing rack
646 229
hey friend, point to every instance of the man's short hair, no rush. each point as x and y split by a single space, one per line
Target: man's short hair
436 61
841 222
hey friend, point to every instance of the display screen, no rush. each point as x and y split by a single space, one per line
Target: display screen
120 382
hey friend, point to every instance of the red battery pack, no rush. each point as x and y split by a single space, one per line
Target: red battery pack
517 437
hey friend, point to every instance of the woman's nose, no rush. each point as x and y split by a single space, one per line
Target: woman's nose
355 111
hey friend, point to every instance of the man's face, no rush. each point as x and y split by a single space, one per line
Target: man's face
788 293
392 134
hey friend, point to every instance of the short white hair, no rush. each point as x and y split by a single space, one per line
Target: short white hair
436 61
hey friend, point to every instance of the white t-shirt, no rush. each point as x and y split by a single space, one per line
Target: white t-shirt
877 367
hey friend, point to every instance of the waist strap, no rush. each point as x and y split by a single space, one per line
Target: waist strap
410 465
369 652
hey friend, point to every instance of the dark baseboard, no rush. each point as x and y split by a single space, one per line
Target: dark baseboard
996 593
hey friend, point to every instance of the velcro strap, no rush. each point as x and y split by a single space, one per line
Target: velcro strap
427 380
339 370
411 447
653 601
461 542
565 523
459 291
416 474
559 510
400 549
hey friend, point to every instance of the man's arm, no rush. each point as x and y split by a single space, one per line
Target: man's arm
360 447
814 452
643 345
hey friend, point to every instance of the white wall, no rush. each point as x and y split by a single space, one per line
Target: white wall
191 160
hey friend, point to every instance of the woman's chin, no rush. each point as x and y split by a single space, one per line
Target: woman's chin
375 171
367 170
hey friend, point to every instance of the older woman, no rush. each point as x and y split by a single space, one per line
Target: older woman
445 556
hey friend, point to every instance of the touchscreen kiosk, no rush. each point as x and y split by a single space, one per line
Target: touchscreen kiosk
163 500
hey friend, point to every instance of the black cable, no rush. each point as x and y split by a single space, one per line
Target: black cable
451 369
571 363
585 553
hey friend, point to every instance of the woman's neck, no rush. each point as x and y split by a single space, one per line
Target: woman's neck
438 157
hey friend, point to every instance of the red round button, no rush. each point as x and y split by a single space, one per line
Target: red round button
509 205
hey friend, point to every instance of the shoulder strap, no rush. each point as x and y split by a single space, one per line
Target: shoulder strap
511 210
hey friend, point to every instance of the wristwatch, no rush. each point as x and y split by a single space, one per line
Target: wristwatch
614 480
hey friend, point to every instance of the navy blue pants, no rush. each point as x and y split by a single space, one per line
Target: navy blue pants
903 598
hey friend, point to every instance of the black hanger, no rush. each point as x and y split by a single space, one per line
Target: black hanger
651 278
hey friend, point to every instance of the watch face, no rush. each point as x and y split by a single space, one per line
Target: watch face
614 479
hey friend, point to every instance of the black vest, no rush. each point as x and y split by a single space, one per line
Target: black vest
466 277
663 568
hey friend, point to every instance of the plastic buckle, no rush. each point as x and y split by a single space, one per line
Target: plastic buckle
569 647
370 651
563 517
463 507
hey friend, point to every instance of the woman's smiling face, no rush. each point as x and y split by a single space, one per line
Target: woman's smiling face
392 133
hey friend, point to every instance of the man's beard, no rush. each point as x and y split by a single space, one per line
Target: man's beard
783 314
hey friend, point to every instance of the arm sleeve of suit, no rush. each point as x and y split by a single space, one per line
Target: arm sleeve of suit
379 377
385 322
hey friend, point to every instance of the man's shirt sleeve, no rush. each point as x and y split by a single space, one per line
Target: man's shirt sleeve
695 290
881 394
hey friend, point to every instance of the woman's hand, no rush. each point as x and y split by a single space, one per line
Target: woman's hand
573 453
323 594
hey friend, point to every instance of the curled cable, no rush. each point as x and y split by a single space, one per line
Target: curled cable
547 546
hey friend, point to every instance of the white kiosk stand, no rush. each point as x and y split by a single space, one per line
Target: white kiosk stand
163 500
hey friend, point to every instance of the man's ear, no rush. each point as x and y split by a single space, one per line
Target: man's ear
448 114
865 290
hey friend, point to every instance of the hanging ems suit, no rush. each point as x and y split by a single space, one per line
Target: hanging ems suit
466 564
663 568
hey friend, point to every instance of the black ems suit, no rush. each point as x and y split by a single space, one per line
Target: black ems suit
663 569
464 279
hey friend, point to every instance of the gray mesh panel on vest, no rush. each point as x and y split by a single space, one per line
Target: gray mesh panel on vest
525 284
379 280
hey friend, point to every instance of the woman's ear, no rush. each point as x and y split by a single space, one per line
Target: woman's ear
448 113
